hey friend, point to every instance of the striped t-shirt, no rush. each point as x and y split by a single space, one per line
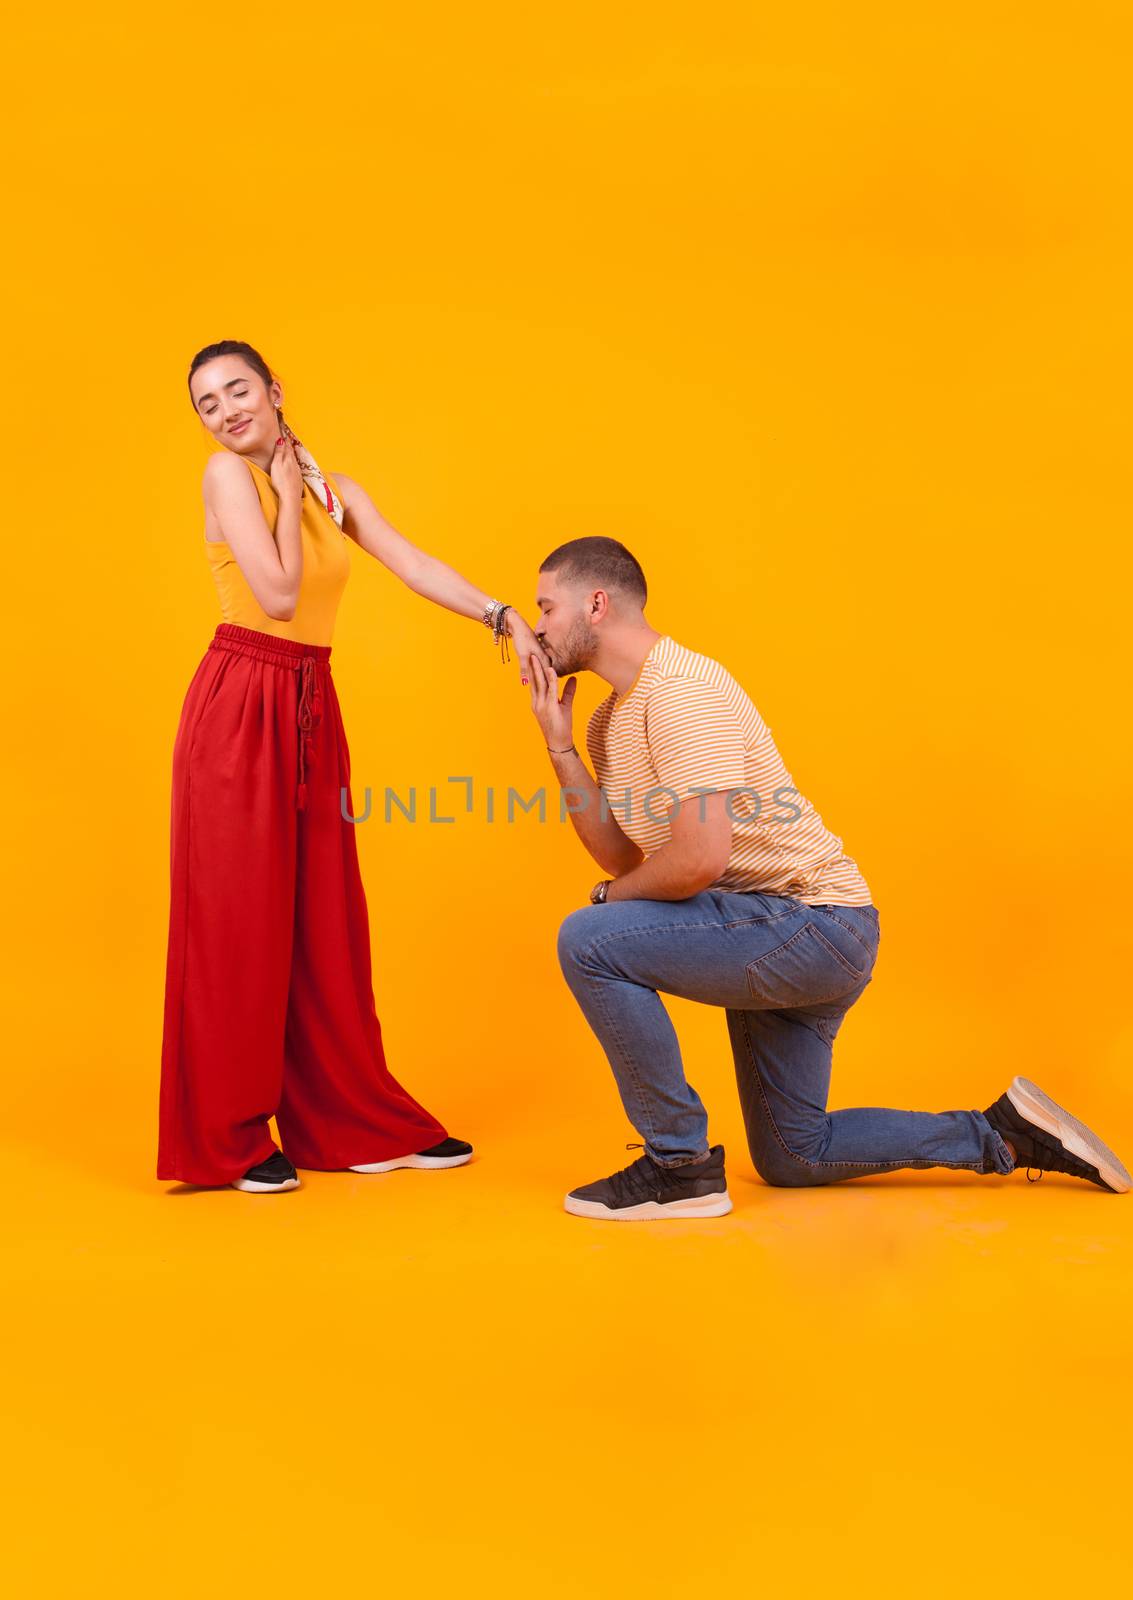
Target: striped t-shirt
686 725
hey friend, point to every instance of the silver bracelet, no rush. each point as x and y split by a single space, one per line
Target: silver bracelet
494 613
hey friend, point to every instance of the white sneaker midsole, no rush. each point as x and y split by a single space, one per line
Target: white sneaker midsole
253 1186
706 1205
424 1163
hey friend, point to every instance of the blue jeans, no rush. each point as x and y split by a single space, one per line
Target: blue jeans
786 973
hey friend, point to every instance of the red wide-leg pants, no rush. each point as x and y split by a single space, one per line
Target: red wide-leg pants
269 1003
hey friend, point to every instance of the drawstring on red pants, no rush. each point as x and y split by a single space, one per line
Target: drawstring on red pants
309 701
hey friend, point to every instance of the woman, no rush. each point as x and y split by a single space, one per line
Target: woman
269 1004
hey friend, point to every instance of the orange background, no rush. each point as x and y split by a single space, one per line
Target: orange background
826 315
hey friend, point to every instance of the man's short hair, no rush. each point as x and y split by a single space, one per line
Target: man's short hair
602 562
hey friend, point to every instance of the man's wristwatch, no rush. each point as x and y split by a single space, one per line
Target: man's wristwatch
600 891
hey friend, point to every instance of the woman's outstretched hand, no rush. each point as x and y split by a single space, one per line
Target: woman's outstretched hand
527 646
552 714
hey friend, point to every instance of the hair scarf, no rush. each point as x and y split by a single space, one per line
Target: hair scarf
309 467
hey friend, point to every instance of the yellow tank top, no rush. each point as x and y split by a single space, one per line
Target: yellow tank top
326 567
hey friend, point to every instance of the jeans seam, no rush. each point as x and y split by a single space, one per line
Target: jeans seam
609 1015
665 930
774 1126
1000 1147
751 922
805 1161
584 955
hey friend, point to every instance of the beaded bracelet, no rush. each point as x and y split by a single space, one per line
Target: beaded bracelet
494 614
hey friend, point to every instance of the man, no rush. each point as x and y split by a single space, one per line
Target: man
725 887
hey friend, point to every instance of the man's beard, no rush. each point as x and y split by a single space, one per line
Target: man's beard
576 651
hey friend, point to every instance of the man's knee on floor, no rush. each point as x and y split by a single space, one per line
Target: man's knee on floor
785 1169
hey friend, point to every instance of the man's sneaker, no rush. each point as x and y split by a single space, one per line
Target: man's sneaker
644 1191
269 1177
1049 1139
449 1153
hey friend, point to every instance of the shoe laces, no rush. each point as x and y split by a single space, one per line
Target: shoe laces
1046 1153
643 1177
648 1175
640 1177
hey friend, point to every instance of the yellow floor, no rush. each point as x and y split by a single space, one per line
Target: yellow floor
917 1383
824 311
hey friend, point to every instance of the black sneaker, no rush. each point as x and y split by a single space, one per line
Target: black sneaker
449 1153
644 1191
1049 1139
270 1176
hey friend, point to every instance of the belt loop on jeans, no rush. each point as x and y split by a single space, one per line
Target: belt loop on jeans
307 717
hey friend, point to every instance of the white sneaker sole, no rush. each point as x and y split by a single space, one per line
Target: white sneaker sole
1030 1101
253 1185
709 1205
422 1163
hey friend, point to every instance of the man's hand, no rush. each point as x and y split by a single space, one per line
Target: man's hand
552 714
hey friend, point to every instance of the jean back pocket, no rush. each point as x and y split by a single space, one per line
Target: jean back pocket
806 970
